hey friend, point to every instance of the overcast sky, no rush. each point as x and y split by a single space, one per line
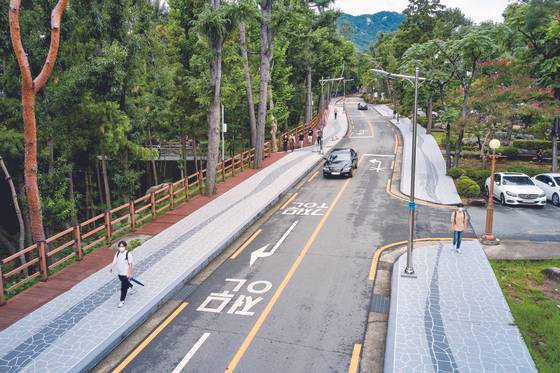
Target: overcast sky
477 10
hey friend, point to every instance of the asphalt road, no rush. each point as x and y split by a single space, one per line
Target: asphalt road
519 222
296 299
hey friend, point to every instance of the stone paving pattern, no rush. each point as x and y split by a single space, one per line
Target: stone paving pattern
452 317
73 331
432 183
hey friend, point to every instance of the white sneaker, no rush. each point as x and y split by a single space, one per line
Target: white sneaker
458 251
120 304
132 291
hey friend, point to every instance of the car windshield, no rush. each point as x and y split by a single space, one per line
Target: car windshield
517 180
557 179
340 156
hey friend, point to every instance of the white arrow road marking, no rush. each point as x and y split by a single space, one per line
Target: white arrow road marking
375 162
191 353
262 253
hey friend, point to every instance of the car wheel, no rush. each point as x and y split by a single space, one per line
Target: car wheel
556 200
351 172
486 192
502 199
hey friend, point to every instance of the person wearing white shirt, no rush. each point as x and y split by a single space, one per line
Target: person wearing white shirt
123 262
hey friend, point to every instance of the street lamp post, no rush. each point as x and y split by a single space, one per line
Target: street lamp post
488 238
415 80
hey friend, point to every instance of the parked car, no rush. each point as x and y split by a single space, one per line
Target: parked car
550 184
362 106
341 162
513 188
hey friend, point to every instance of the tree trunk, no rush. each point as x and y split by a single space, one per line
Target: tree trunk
309 97
448 146
274 122
266 56
99 187
71 196
430 115
106 182
152 161
214 114
89 196
248 86
29 89
8 178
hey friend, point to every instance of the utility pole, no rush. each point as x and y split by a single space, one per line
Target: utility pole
555 134
415 80
346 80
223 130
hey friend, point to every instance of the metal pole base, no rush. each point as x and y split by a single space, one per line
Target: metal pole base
489 240
409 273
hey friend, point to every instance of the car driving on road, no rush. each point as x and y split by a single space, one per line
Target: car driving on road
362 106
550 184
513 188
341 162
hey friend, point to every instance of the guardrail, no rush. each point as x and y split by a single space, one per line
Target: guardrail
37 261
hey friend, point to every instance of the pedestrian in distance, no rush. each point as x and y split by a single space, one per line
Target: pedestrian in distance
124 265
394 113
285 141
292 142
335 113
310 136
320 139
301 138
540 156
459 224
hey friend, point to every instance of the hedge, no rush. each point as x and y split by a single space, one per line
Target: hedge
509 151
479 175
527 170
455 173
532 144
467 187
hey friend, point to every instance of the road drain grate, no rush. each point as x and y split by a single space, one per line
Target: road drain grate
379 304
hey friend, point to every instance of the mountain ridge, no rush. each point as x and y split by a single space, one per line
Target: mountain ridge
363 29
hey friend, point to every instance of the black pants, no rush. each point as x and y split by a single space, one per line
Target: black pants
285 146
125 284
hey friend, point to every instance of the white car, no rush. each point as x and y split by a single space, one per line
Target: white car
550 184
513 188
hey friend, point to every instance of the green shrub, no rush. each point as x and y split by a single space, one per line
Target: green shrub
479 175
532 144
133 244
509 151
455 173
527 170
467 187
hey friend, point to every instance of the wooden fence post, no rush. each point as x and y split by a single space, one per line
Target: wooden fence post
2 294
186 182
42 246
108 227
200 176
132 213
171 199
78 242
153 203
223 170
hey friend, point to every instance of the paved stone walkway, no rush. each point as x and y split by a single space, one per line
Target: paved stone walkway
73 331
432 183
453 317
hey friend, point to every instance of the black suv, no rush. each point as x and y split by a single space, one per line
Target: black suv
362 106
341 162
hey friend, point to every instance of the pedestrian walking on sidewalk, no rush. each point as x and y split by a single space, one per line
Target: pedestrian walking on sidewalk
335 113
292 142
310 136
285 142
301 138
124 264
459 224
320 139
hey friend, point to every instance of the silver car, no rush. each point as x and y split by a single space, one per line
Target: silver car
550 184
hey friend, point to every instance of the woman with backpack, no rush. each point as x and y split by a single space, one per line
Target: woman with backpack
124 264
459 224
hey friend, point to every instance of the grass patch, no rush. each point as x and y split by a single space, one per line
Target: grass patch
533 300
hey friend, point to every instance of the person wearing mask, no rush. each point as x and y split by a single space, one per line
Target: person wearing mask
124 265
310 136
301 137
285 142
459 224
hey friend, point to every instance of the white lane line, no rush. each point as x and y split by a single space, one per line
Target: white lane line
379 155
262 253
191 353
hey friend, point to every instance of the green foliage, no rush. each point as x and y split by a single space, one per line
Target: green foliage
455 173
528 170
133 244
478 175
532 144
467 187
509 151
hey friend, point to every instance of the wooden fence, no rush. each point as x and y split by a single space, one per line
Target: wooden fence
37 260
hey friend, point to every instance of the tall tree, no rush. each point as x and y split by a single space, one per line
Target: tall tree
248 85
266 57
29 89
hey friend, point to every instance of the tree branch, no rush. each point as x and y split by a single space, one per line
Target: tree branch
47 69
17 45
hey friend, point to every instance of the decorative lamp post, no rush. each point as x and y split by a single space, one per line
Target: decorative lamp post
488 237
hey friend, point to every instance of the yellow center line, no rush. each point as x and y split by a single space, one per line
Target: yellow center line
360 160
150 338
247 243
313 176
392 164
288 201
370 128
353 368
262 318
